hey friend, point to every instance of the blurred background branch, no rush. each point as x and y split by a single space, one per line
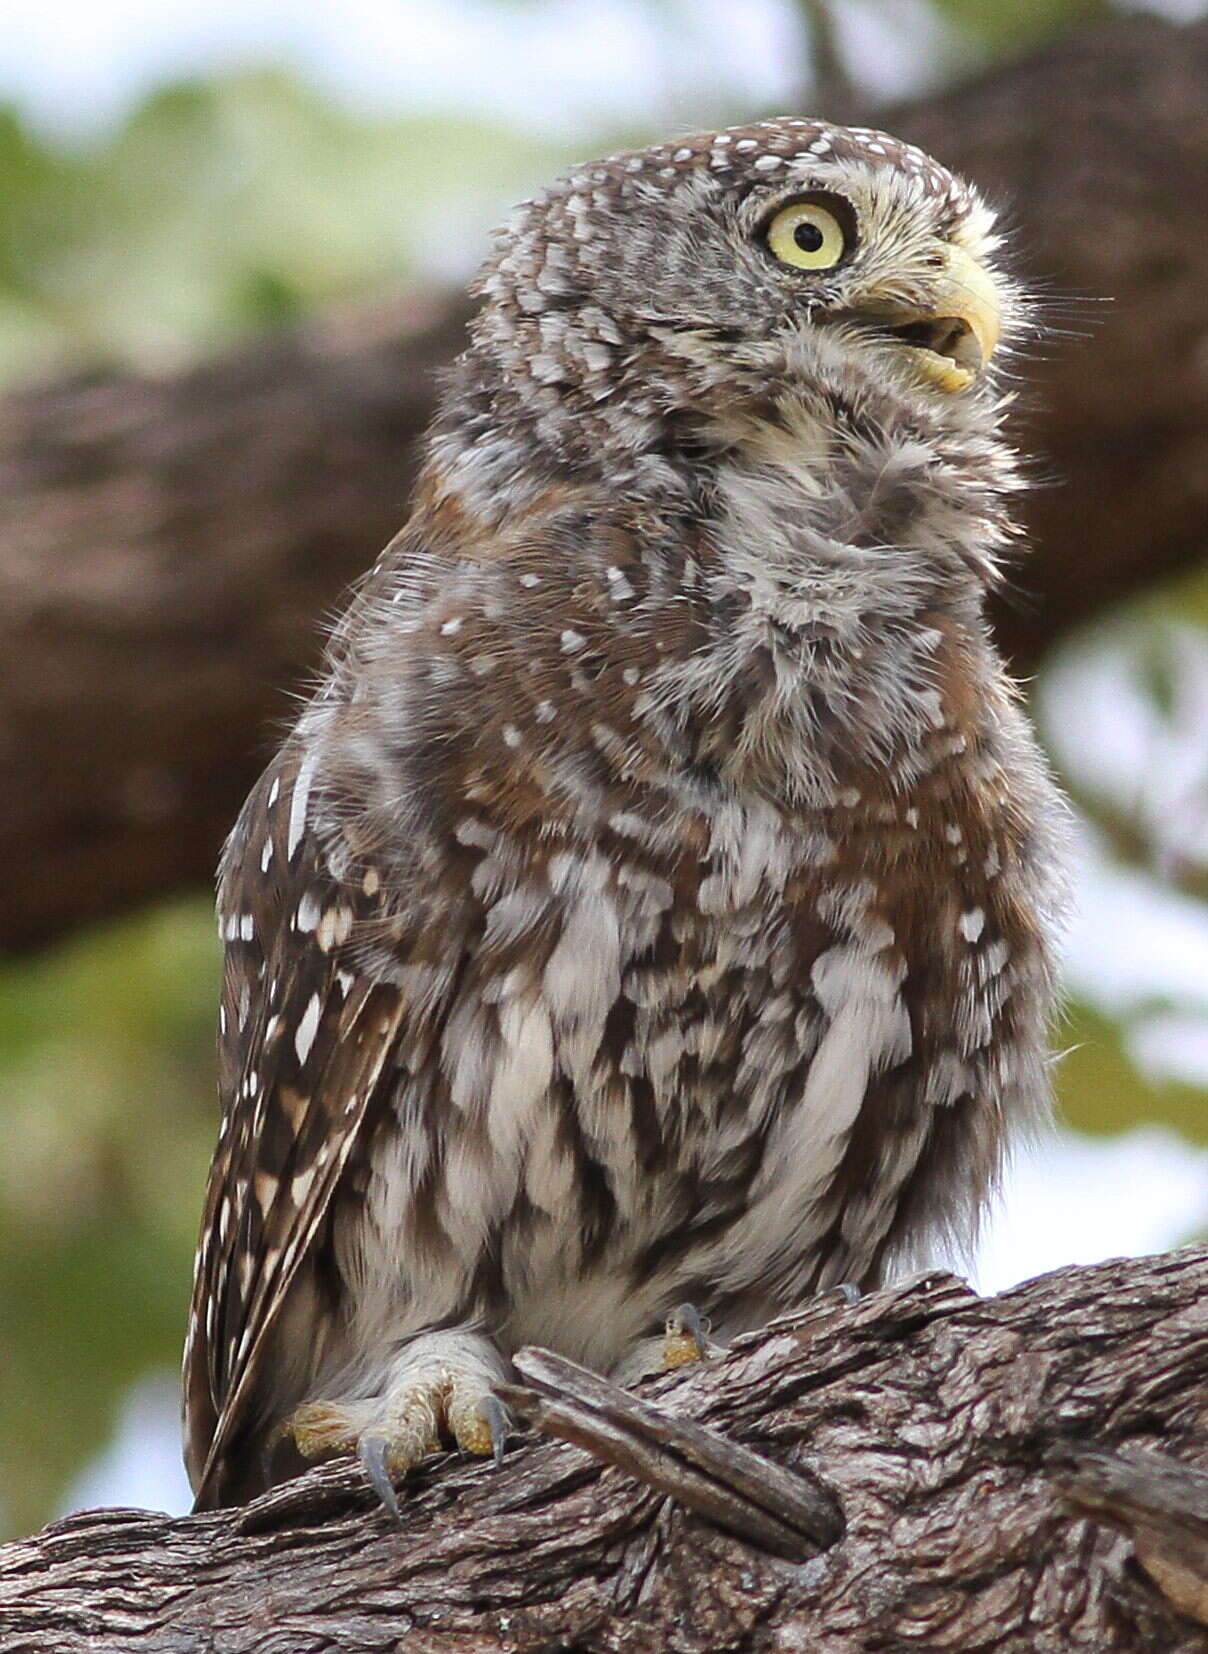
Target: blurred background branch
831 91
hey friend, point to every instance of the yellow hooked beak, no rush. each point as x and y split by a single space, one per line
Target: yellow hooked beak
950 341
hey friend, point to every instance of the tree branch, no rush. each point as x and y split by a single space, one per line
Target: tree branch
167 546
950 1429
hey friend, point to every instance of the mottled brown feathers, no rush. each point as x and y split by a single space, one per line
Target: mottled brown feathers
655 899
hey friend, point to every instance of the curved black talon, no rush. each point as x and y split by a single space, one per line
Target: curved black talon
687 1322
371 1451
499 1422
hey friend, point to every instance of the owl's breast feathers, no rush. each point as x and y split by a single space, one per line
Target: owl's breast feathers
598 925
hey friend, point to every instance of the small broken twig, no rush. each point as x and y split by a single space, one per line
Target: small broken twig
785 1512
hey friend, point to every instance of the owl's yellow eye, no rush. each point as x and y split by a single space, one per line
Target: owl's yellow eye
808 236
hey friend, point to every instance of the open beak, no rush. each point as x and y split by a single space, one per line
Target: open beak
951 340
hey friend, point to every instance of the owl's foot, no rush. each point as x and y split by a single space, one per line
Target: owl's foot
685 1339
439 1385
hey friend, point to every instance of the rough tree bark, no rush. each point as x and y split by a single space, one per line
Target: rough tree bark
168 545
1016 1474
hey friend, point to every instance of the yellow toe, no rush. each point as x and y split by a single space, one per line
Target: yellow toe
319 1428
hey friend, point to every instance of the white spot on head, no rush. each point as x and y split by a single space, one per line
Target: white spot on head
511 735
372 882
766 163
953 833
632 675
530 580
451 627
545 713
572 641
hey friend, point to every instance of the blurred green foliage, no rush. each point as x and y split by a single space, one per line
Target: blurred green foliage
234 204
1101 1091
1011 25
107 1118
217 209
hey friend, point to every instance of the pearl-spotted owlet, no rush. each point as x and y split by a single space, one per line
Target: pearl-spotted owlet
653 905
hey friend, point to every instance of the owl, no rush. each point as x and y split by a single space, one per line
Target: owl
654 904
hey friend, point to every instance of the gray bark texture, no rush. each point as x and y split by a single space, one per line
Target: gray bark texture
168 546
1026 1474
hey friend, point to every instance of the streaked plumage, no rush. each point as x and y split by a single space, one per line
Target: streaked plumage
654 902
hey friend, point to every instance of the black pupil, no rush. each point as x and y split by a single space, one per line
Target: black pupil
808 237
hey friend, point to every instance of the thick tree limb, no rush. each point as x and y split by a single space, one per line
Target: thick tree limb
167 550
168 545
954 1433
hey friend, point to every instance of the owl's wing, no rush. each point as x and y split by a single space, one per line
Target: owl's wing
304 1054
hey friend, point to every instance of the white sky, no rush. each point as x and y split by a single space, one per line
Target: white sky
565 66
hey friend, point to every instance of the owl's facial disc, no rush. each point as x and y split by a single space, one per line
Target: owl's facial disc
952 338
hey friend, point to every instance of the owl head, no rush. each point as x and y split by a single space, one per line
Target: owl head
733 266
